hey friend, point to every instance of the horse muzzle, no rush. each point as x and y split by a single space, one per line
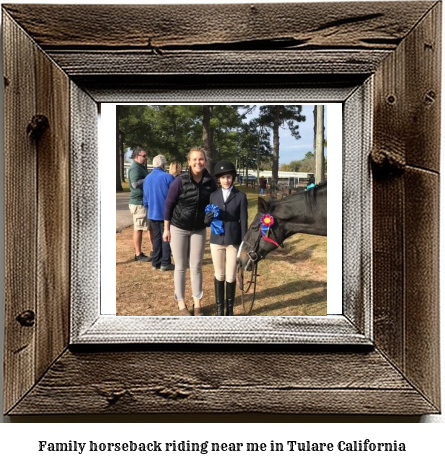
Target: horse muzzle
247 258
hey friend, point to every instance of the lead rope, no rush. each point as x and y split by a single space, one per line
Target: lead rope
253 280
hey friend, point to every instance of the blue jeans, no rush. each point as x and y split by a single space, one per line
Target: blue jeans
161 249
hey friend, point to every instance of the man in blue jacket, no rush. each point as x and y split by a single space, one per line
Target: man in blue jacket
155 190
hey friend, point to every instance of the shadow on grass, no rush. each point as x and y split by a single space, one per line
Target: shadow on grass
292 254
282 297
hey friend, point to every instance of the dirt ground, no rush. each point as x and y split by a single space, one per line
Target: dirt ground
292 281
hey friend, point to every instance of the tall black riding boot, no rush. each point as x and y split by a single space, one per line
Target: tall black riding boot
219 297
230 297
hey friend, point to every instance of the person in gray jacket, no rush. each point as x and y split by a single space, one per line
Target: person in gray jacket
227 232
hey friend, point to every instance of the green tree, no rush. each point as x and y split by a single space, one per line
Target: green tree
173 129
274 117
307 163
254 145
294 166
131 132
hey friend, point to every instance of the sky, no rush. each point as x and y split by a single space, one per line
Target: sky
295 149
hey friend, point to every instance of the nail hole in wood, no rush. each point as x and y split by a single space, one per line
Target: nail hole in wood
37 126
26 318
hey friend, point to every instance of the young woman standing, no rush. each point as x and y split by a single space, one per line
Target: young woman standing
184 226
226 239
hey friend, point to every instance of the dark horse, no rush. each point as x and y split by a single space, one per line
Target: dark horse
303 212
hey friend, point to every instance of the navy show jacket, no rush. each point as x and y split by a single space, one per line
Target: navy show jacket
233 214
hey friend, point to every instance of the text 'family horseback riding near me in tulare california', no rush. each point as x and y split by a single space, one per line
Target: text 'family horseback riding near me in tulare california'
285 263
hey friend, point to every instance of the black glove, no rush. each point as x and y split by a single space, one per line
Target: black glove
208 218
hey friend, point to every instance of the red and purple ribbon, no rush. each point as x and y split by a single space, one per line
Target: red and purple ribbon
267 222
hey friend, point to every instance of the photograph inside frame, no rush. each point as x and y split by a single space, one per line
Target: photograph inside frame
222 210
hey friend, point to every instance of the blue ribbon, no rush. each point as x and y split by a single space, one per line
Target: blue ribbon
216 226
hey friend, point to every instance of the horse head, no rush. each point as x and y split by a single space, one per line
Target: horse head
275 221
256 245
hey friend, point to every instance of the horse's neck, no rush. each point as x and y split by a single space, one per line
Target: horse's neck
306 215
317 229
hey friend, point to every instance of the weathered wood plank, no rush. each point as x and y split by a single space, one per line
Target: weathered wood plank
218 88
20 213
78 62
246 26
357 209
389 143
223 382
388 269
85 211
423 88
400 376
406 205
53 222
422 281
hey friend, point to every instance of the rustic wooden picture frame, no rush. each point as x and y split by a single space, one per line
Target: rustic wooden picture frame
58 69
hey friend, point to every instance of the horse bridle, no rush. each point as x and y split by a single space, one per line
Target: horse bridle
254 258
253 254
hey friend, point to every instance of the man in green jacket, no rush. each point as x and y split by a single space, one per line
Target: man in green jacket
136 175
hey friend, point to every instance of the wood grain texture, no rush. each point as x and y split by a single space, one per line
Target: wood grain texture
423 88
388 268
84 205
124 63
38 222
276 26
215 381
53 221
357 209
406 206
20 213
218 88
396 42
421 281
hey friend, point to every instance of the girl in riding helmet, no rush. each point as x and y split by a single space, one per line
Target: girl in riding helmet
226 238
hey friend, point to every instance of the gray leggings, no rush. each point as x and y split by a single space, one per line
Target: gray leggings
187 246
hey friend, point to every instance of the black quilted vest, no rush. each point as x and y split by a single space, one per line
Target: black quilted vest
189 213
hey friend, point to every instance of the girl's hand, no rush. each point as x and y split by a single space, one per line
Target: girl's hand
166 236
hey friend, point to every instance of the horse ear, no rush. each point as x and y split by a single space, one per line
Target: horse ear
263 205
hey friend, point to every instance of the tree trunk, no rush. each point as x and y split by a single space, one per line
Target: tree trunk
119 156
258 162
206 133
319 145
276 151
122 156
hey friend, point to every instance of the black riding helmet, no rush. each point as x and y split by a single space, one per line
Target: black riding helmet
224 167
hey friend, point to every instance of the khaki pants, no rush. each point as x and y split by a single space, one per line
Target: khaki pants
139 212
224 261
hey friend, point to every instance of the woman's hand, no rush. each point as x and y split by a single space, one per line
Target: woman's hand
166 236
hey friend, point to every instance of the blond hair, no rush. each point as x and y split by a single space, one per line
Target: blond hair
199 149
175 168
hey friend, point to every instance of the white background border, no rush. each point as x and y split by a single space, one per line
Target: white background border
107 147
